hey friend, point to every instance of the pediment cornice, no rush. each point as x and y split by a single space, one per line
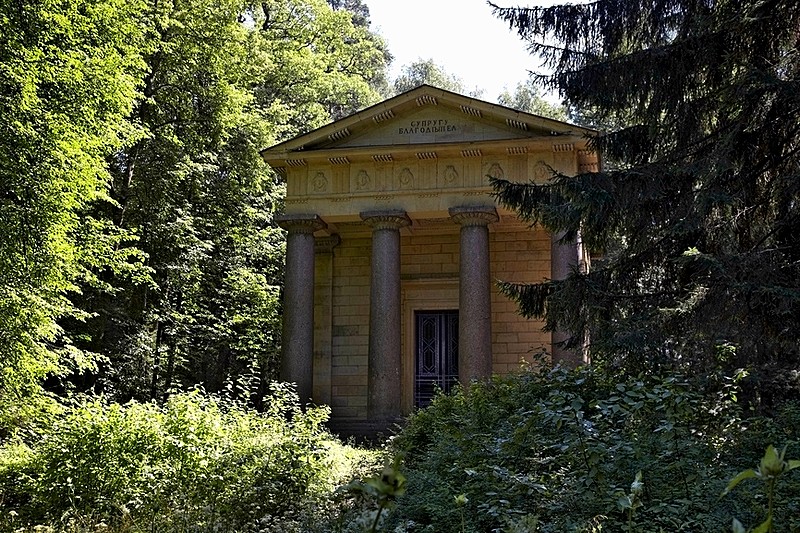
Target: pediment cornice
427 121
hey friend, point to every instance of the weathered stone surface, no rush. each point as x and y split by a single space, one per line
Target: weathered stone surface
384 317
297 349
474 297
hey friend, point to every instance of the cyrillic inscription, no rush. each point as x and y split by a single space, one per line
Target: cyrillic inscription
427 126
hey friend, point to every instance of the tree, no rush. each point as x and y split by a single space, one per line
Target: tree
697 213
70 73
358 10
427 72
195 191
528 98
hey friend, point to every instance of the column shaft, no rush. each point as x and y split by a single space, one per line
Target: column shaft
384 358
297 342
475 297
564 258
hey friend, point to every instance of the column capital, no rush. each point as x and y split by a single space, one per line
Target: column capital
479 215
325 245
301 223
385 219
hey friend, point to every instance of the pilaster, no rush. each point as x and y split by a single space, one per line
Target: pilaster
323 317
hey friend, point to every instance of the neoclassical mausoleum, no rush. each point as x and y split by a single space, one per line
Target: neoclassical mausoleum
395 243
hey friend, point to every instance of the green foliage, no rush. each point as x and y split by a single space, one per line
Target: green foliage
696 212
69 72
770 469
528 97
383 490
427 72
224 80
557 450
194 464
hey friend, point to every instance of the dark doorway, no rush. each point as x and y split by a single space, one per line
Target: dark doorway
436 354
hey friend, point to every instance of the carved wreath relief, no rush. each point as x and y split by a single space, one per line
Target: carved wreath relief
319 183
363 181
450 175
406 178
496 171
540 171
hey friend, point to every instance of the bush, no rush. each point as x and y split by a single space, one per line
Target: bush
195 464
561 449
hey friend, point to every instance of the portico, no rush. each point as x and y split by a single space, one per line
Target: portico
394 243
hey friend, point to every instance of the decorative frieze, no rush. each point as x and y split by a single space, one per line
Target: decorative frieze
517 150
339 160
383 158
363 181
405 178
517 124
426 155
471 153
296 162
426 99
496 171
319 183
471 111
450 176
563 147
541 171
380 117
338 135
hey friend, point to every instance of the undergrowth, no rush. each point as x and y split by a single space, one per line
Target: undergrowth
557 451
195 464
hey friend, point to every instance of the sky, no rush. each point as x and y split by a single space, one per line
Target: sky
462 36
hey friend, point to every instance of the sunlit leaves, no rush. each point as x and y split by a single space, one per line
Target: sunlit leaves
70 75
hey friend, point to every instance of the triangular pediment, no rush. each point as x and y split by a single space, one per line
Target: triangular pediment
423 116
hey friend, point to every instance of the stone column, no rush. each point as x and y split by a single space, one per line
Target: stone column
297 342
384 314
564 258
474 293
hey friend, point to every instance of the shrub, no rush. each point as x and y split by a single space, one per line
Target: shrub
560 449
195 464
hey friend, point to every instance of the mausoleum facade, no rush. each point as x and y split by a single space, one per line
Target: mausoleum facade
395 243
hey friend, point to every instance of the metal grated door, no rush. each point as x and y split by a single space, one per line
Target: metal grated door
436 355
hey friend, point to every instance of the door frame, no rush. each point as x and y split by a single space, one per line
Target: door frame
420 295
445 337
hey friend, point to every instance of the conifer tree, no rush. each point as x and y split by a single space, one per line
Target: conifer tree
696 214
